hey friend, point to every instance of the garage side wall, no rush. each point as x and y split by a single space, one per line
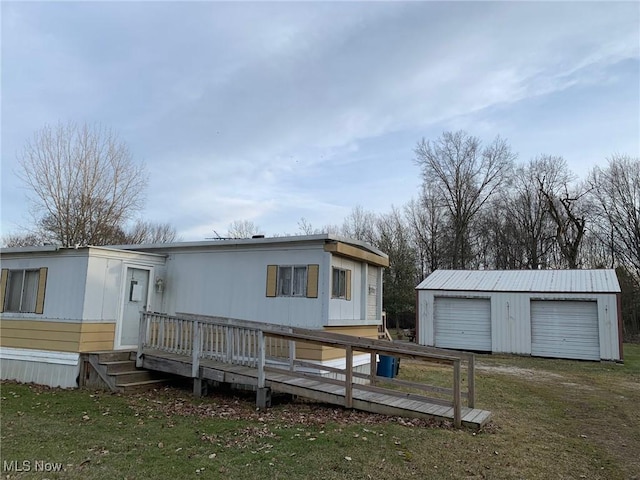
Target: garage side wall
511 318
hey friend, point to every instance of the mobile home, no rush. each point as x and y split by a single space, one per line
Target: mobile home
59 302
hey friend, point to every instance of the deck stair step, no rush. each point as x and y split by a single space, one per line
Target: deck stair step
119 366
113 356
134 376
117 371
136 387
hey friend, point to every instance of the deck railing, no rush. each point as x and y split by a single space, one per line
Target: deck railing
269 347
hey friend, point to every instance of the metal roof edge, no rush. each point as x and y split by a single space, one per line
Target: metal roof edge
247 242
57 248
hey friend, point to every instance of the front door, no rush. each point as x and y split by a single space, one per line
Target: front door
136 292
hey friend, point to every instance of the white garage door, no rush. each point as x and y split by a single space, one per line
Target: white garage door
462 323
565 329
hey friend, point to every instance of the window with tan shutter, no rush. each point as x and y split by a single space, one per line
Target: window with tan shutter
23 290
292 281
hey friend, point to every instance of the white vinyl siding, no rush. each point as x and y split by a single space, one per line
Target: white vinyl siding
372 293
463 323
565 329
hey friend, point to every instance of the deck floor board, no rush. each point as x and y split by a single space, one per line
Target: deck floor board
316 389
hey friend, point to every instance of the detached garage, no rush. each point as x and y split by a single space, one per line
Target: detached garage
546 313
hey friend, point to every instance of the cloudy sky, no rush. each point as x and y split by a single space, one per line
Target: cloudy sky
271 112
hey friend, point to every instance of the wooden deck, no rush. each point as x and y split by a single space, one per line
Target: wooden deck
365 397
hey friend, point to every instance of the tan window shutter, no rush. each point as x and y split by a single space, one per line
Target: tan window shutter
272 277
3 287
312 281
348 281
42 284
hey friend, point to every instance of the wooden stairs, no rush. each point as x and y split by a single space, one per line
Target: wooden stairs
116 371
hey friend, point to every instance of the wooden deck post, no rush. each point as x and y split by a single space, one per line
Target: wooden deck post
457 416
292 355
161 327
263 394
141 334
228 344
348 378
372 368
261 359
196 349
471 382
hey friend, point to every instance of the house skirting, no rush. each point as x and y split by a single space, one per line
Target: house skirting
54 369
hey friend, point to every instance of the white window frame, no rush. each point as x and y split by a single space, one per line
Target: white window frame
286 284
22 308
342 283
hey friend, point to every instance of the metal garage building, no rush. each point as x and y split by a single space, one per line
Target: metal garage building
546 313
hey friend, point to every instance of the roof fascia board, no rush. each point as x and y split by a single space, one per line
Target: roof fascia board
349 251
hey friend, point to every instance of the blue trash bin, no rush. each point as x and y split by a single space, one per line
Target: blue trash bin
386 366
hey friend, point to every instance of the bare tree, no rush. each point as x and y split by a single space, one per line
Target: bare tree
360 225
400 278
497 237
83 183
243 229
306 228
427 225
149 232
463 176
526 208
616 190
22 240
566 206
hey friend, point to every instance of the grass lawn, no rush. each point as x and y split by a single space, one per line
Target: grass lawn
553 419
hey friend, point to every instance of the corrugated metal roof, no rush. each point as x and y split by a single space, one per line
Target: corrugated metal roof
565 281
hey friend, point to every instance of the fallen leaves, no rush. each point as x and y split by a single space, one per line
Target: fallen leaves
287 414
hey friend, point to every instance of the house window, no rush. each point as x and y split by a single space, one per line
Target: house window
341 283
292 281
23 290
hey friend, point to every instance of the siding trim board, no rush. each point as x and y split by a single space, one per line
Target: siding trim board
3 287
40 356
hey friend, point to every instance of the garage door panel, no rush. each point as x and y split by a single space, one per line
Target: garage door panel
565 329
462 323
